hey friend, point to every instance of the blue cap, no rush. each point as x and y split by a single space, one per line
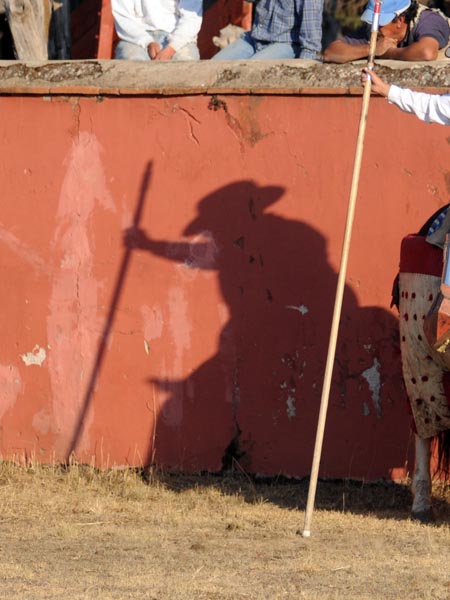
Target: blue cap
388 11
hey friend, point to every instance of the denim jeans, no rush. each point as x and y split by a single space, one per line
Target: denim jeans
129 51
246 47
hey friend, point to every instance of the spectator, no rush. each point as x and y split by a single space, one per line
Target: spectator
408 31
281 29
157 29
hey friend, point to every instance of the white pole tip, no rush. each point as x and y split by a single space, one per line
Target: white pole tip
306 533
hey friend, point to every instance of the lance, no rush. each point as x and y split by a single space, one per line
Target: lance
341 279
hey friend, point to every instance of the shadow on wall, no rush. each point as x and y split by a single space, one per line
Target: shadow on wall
255 402
104 337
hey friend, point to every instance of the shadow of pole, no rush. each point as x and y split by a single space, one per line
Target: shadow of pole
101 351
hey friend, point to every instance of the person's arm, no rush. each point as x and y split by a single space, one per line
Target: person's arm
189 23
310 35
426 48
129 27
199 254
430 108
430 34
341 51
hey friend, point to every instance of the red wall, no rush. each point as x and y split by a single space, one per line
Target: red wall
214 335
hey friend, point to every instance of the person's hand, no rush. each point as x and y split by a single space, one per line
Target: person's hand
165 54
384 44
153 50
378 85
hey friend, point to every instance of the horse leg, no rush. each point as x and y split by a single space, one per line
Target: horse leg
421 485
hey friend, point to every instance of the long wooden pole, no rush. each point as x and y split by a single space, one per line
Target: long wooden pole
341 281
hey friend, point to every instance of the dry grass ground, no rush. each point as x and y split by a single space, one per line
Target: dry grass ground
80 534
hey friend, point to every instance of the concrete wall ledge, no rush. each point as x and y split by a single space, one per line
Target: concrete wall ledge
274 77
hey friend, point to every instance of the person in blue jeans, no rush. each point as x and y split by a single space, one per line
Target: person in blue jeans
281 29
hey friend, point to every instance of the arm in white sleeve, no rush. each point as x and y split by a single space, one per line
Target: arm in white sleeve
129 27
430 108
189 23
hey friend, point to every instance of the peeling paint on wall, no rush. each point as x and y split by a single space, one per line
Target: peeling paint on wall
179 323
288 390
202 255
152 317
10 387
42 422
373 378
35 357
302 309
180 328
22 250
73 322
291 410
153 324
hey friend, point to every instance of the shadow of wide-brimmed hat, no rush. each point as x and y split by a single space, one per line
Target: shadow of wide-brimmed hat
237 202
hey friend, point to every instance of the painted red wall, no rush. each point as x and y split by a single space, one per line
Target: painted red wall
214 335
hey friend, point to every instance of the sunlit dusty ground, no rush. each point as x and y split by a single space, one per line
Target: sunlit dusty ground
80 535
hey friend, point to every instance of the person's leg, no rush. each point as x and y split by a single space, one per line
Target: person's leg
240 49
129 51
275 50
188 52
421 485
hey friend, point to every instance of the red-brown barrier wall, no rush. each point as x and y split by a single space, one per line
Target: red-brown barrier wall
201 338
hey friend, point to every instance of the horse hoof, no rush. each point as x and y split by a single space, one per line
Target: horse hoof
423 516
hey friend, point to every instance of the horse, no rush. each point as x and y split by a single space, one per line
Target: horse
37 29
426 372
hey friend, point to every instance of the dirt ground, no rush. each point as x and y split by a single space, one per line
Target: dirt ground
80 534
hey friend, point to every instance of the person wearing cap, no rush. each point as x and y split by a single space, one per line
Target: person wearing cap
280 29
157 29
407 31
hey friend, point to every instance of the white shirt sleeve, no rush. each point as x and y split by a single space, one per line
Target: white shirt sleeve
129 27
189 23
430 108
